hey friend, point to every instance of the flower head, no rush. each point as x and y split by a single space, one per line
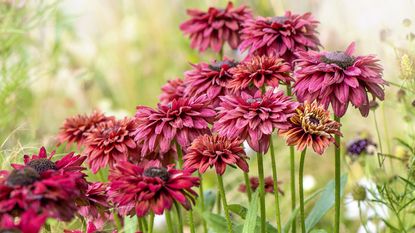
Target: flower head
110 143
210 79
214 150
30 222
152 188
311 126
173 89
260 71
359 146
215 27
280 36
182 120
97 206
269 185
339 78
254 116
75 129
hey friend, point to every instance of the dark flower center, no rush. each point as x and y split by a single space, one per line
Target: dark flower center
279 19
339 58
22 177
217 66
160 172
42 165
313 120
10 230
254 100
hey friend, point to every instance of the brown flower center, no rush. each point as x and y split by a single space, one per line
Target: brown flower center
42 165
217 66
313 120
22 177
254 100
160 172
339 58
14 230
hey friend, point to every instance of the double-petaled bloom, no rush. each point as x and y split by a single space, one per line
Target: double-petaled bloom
29 222
339 78
311 126
254 116
209 151
111 142
269 185
260 71
76 128
211 79
213 28
138 189
173 89
181 120
280 36
97 206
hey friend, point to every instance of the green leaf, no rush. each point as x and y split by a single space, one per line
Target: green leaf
130 224
239 210
318 231
209 198
325 203
215 222
251 215
295 212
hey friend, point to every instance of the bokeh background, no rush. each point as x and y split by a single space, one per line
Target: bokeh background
61 58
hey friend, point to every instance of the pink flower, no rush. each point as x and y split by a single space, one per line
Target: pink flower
215 151
254 116
260 71
97 205
173 89
29 222
280 36
210 79
153 188
110 143
181 120
215 27
339 78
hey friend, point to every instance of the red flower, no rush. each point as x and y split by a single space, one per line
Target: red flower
210 79
269 185
75 129
97 207
110 143
260 71
29 222
215 27
182 120
24 189
311 126
338 78
152 188
254 116
173 89
280 36
208 151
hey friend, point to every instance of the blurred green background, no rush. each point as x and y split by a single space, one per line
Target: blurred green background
60 58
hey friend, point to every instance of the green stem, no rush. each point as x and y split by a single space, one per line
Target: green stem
140 225
300 186
337 164
379 138
191 221
292 171
275 178
225 204
248 186
144 222
218 203
202 202
117 220
221 54
179 217
179 155
101 175
151 224
168 221
261 190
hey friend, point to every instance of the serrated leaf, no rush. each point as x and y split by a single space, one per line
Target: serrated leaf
325 203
